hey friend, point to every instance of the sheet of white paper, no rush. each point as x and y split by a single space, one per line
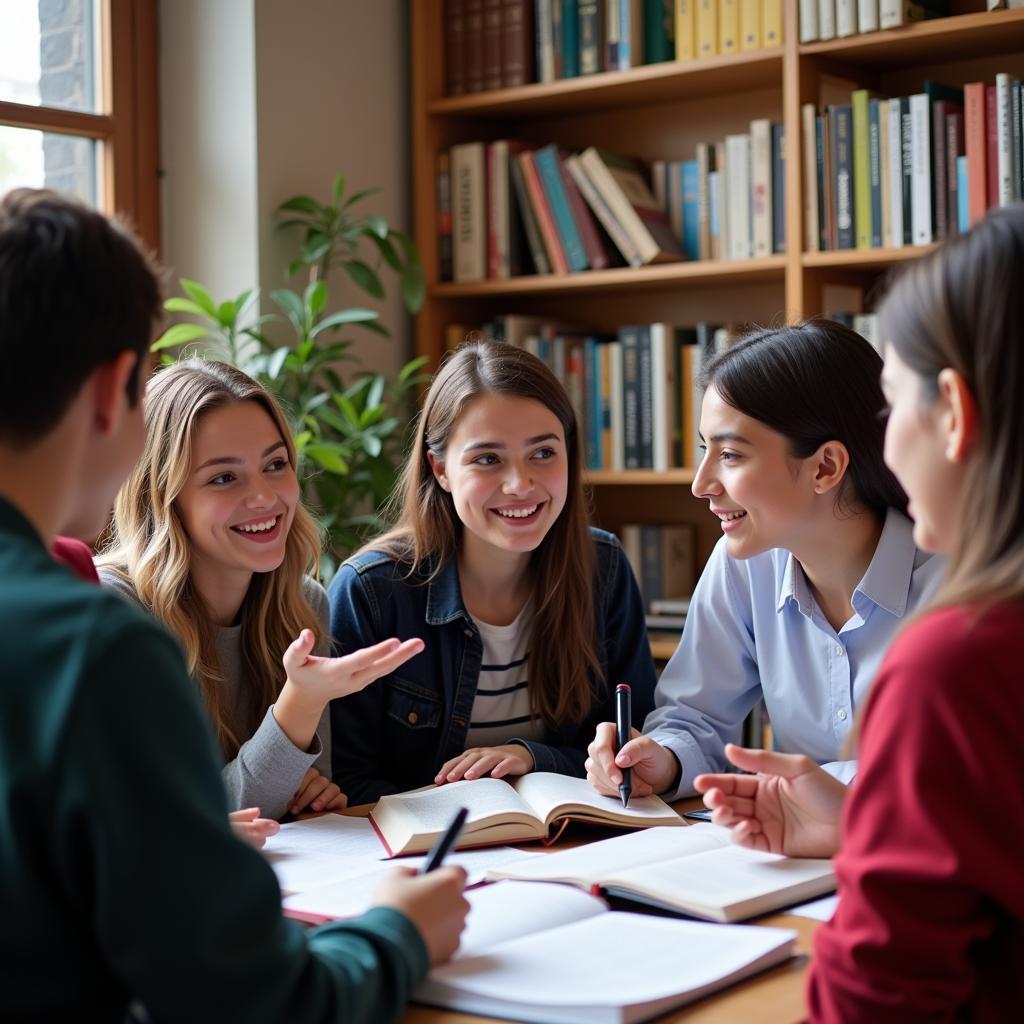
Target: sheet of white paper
306 854
352 894
508 910
819 910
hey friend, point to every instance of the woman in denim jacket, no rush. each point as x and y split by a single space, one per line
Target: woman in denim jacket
529 616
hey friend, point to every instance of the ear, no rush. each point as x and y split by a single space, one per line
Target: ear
959 415
830 463
110 391
437 468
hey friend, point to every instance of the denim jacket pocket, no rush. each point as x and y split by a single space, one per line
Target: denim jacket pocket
413 706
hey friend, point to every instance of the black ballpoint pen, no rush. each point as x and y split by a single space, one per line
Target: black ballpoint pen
623 728
446 842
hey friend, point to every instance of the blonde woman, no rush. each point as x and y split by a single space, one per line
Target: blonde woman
210 536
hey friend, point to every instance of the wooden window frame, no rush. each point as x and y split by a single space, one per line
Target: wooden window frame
127 128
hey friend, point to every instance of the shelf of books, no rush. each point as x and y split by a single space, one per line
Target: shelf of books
626 186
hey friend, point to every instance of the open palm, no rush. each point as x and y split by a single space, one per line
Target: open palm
791 806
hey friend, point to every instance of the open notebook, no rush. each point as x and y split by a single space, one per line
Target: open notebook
694 870
503 813
543 953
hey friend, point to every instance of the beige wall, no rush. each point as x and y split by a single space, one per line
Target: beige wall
320 86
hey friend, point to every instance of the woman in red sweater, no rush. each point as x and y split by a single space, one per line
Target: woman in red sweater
930 861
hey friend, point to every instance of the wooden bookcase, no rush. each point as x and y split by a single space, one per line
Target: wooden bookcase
661 111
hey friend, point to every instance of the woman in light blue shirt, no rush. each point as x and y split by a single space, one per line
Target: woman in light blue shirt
815 572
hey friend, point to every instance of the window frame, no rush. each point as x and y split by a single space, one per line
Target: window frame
128 126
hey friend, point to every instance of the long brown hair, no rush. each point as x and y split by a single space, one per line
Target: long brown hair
150 550
427 530
962 307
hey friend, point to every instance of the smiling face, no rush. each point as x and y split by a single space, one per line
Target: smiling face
239 499
763 496
506 467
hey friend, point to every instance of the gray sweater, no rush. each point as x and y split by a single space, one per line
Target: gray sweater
268 768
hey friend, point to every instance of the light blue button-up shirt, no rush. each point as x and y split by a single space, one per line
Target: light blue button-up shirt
754 628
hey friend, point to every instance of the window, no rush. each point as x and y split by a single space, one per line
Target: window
78 103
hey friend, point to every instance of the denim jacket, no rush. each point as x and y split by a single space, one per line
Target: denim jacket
396 734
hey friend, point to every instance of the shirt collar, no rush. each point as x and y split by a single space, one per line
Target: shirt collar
887 580
444 596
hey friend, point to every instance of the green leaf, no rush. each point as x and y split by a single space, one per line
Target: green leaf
353 199
332 419
226 313
301 204
344 403
179 334
302 439
387 251
315 401
333 379
411 367
292 306
314 251
377 328
179 305
200 296
246 299
378 225
344 316
414 286
327 456
276 361
315 297
376 392
339 188
372 445
365 278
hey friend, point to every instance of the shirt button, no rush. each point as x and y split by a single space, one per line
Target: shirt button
412 718
840 714
468 631
840 652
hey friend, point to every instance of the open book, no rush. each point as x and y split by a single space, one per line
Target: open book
502 813
553 954
696 871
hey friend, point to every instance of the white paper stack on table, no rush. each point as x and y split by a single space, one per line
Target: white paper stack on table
695 870
534 952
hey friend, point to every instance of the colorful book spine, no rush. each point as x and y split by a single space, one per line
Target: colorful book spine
895 238
591 37
548 171
686 29
455 47
629 338
593 245
921 202
750 25
690 180
841 118
517 43
875 170
534 240
778 188
545 219
570 39
707 28
963 194
861 169
728 26
659 31
975 148
492 44
771 22
444 216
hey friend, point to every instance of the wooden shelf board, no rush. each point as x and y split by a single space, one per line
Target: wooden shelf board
642 477
621 278
982 34
662 646
866 258
669 81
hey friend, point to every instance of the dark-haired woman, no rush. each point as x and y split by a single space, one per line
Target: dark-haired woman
815 572
529 618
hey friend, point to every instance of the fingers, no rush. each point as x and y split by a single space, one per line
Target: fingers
310 791
601 761
470 765
299 650
767 762
244 814
327 797
727 783
339 803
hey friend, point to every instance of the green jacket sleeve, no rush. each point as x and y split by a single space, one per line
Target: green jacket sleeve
186 916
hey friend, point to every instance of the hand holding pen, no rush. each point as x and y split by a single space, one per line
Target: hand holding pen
623 731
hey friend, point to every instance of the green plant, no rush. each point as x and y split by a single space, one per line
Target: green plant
348 433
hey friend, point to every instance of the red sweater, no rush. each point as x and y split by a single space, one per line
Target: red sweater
930 924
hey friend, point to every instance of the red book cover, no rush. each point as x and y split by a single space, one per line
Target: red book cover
517 51
976 149
594 244
454 47
546 223
992 148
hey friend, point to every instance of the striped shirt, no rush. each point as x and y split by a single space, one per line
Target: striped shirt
501 709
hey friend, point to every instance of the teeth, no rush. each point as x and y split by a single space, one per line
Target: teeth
516 513
258 527
731 516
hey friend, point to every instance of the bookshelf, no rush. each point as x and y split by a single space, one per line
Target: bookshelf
660 111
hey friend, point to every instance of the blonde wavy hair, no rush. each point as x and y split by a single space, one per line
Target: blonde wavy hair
149 549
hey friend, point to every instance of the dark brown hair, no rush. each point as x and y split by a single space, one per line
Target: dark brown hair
76 290
563 659
962 307
815 382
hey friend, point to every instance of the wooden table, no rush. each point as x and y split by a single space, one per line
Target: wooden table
773 997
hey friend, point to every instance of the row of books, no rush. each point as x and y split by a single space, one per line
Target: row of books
821 20
911 170
635 392
495 44
663 559
728 202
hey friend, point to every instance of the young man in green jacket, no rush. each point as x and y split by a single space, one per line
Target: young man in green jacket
120 880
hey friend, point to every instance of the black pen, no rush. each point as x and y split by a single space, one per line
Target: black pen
623 728
446 842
